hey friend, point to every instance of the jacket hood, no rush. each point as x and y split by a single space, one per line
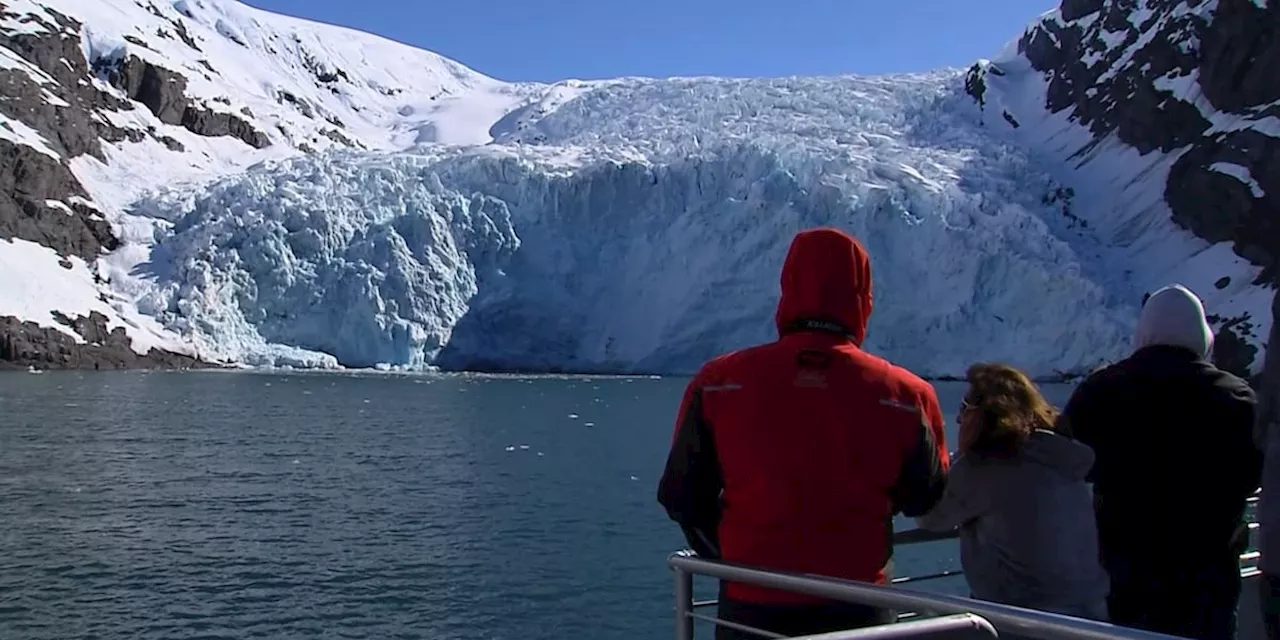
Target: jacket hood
826 279
1174 317
1069 457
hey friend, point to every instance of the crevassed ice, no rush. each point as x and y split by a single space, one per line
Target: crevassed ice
641 226
359 260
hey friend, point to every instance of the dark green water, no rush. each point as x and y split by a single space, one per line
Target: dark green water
243 505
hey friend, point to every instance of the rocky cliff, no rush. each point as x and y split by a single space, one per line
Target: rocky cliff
1185 92
60 106
107 99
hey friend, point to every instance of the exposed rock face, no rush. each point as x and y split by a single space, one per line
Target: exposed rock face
1146 90
29 182
1194 78
24 344
1269 392
56 98
55 103
29 178
1231 351
163 92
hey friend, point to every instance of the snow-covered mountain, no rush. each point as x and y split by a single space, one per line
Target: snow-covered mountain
108 99
1164 116
212 180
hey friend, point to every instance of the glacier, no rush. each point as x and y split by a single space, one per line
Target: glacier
412 213
639 226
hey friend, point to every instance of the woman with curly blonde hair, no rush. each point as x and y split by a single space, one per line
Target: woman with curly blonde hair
1018 495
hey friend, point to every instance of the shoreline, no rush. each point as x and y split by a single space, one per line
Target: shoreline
190 364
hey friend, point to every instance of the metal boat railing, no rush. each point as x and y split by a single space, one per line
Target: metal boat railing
926 614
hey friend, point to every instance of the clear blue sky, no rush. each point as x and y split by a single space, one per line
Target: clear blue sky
547 40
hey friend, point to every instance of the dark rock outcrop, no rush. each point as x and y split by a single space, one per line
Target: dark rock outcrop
1220 207
58 108
163 92
1186 77
324 74
30 178
302 105
337 137
1076 9
220 123
69 125
1239 56
1233 348
1110 94
29 181
1141 83
1269 381
24 344
54 99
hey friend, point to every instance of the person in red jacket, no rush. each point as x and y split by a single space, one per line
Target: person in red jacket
795 455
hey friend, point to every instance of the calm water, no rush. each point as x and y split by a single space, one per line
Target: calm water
220 505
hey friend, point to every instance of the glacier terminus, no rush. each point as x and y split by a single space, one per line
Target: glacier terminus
308 203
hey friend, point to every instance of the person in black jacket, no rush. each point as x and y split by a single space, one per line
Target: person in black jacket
1175 463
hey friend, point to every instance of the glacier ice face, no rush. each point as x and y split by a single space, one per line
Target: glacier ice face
365 262
641 226
618 224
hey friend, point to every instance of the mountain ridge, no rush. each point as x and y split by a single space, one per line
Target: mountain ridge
102 94
318 101
1182 133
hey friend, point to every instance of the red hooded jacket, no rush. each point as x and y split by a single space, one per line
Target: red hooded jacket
795 455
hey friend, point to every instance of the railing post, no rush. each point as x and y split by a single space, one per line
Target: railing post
684 604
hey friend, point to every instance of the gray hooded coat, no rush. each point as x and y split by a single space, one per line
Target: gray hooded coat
1027 532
